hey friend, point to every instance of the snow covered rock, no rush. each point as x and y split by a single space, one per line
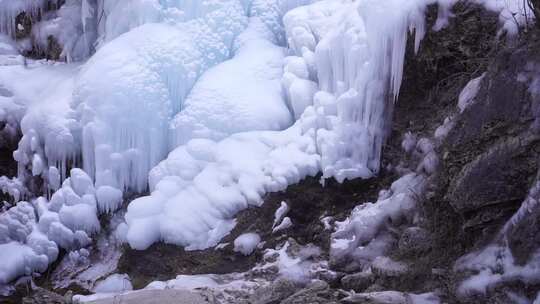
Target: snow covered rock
357 281
392 297
362 235
383 297
246 243
467 95
280 213
414 240
285 224
114 283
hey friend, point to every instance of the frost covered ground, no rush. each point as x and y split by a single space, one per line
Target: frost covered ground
203 108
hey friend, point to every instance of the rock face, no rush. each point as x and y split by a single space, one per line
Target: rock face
493 148
414 240
318 292
522 231
357 281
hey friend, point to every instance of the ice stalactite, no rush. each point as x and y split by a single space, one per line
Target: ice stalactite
11 9
355 51
129 90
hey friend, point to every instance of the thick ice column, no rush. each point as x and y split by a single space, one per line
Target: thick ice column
356 50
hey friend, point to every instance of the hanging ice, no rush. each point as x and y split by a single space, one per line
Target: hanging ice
132 86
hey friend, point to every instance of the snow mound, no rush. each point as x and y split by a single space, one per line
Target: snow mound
18 260
246 243
198 189
7 46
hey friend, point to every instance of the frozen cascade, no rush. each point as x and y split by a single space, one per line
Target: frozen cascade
358 60
339 83
131 87
183 208
341 130
241 94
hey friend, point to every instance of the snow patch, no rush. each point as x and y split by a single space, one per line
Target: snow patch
246 243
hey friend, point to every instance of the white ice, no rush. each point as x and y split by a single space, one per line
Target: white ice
241 94
130 89
246 243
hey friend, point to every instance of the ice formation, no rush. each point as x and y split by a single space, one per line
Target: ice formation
240 94
32 233
280 213
161 102
344 71
131 87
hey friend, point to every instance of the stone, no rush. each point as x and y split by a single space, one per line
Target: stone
357 281
385 268
414 240
275 293
382 297
522 230
496 177
42 296
317 292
